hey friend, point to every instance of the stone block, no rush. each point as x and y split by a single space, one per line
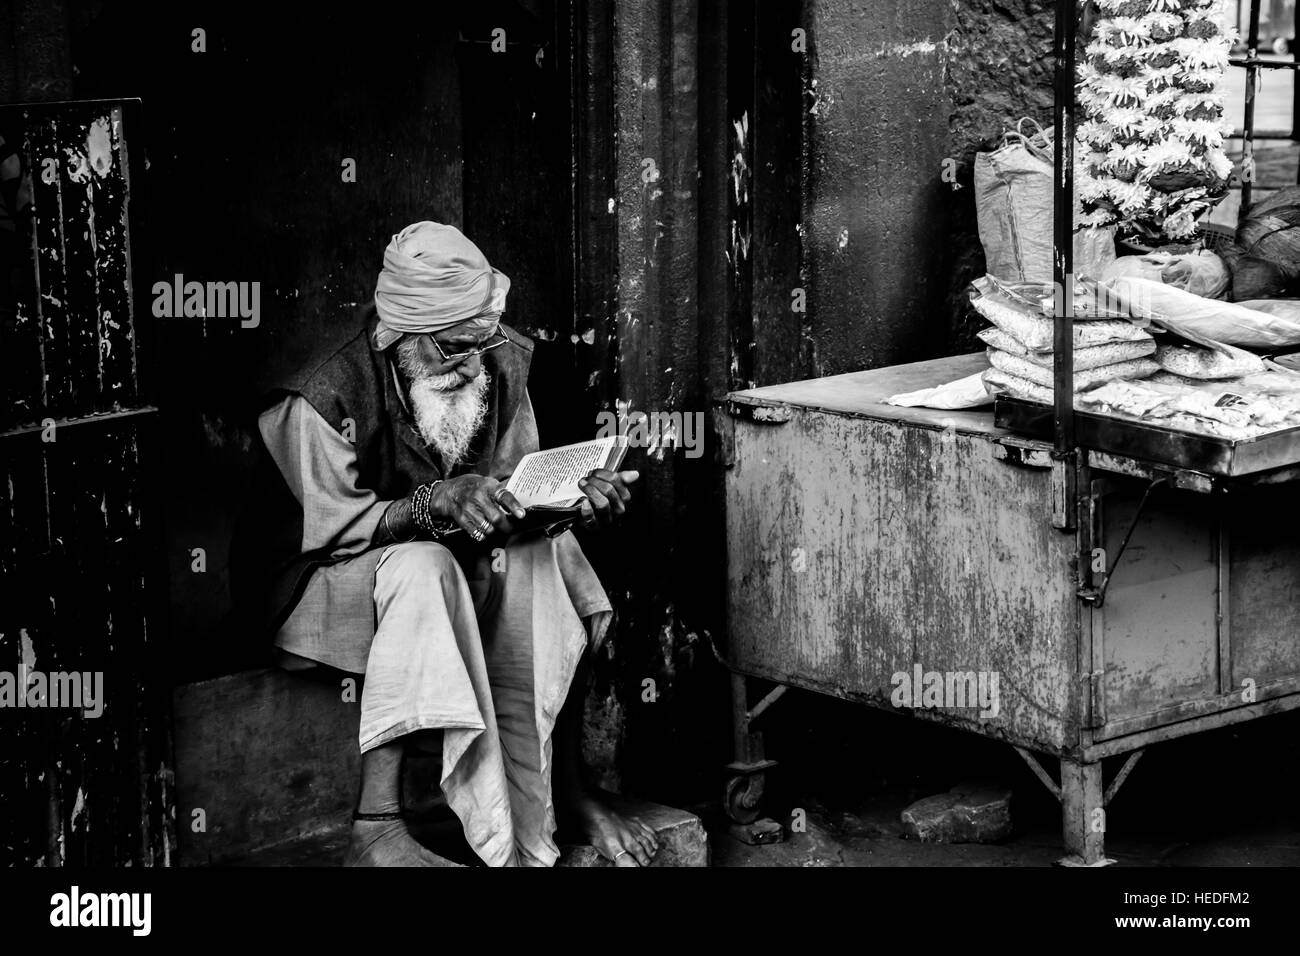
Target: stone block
682 840
965 814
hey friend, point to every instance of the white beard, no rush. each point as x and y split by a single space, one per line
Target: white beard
448 410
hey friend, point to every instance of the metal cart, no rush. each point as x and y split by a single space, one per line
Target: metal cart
867 540
1126 585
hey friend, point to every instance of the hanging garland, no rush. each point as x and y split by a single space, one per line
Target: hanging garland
1151 146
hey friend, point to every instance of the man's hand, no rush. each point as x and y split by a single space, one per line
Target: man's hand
607 495
477 504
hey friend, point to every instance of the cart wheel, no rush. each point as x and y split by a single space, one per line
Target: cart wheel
742 797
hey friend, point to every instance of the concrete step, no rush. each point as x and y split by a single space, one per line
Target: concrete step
263 758
267 770
682 842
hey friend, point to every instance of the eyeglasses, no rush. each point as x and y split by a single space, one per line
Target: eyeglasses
499 339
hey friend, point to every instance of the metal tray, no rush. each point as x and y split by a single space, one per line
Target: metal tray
1166 446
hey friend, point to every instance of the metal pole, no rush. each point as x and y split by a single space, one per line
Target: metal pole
1248 127
1063 113
1295 98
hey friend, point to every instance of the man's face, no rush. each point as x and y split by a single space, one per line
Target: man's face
468 335
449 399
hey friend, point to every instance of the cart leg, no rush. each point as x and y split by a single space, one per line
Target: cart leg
740 719
1083 813
743 791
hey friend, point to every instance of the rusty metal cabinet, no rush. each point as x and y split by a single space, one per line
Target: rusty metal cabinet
866 541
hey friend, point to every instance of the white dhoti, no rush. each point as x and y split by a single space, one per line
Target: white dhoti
487 657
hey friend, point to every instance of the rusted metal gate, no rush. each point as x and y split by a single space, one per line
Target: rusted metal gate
84 776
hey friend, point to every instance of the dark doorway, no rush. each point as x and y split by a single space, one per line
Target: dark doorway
253 116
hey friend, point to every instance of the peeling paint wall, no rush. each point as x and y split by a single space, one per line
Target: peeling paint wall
84 704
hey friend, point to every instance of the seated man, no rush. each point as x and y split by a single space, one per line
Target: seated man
384 546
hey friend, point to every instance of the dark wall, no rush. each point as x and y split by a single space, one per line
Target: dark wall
35 54
246 144
998 68
877 211
808 212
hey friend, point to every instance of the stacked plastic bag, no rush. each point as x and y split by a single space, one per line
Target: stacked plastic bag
1201 273
1107 347
1221 390
1240 408
1191 380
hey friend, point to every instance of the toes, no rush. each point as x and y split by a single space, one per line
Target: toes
648 847
644 834
638 849
649 834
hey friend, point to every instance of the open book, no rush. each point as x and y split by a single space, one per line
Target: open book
546 482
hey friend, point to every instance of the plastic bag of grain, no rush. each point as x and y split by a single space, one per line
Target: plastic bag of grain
1014 365
1027 324
1192 361
1000 383
1094 356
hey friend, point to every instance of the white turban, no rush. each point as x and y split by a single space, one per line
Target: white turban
434 278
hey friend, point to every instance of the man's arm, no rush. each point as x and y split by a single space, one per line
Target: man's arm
519 439
320 467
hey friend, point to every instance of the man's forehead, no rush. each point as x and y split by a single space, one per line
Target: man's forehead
469 332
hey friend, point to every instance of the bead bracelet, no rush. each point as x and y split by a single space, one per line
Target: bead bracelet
422 513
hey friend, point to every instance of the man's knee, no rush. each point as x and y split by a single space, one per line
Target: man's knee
416 564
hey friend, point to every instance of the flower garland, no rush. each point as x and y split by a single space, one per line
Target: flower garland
1151 155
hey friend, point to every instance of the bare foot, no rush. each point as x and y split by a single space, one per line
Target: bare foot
624 840
387 843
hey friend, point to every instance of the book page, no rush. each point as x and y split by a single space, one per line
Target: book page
551 477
